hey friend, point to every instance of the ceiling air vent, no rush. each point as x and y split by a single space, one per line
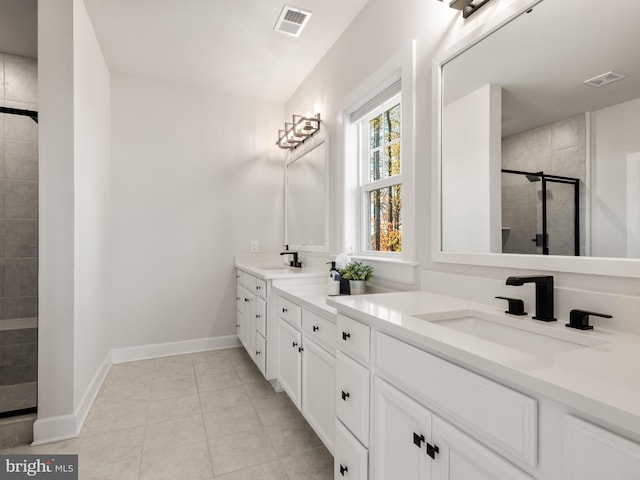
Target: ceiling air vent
604 79
292 20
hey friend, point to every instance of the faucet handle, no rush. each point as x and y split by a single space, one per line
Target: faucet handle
580 319
516 306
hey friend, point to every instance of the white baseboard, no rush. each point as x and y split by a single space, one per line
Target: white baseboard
64 427
143 352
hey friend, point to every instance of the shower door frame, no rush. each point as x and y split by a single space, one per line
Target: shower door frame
544 178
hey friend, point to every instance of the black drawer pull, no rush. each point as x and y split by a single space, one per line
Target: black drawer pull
316 328
257 352
294 344
343 469
418 439
300 349
432 450
345 335
284 310
345 395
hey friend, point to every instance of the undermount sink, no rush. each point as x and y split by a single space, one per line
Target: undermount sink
280 269
518 334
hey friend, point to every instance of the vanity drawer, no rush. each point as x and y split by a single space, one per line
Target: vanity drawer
320 329
353 337
288 311
261 316
499 416
350 458
352 396
261 288
249 282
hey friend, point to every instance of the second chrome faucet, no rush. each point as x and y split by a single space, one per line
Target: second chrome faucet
544 294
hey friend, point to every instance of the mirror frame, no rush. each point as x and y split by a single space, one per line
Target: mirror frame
618 267
297 155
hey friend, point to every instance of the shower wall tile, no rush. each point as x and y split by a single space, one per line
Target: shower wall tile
564 134
20 199
21 277
2 156
20 307
1 78
21 160
20 78
569 162
20 238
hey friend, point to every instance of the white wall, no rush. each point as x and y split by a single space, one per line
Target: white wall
471 177
196 176
376 35
92 179
615 137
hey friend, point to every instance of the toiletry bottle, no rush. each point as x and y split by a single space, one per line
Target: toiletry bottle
333 282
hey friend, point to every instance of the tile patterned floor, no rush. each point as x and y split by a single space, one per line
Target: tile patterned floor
205 416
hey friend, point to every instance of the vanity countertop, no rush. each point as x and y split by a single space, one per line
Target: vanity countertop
279 271
602 381
312 295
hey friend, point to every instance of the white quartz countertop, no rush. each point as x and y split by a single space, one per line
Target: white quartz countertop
601 379
311 294
274 271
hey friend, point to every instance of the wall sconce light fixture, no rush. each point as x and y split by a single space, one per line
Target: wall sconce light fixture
467 7
298 132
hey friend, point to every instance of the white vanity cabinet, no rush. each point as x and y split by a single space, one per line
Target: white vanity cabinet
251 299
307 364
593 453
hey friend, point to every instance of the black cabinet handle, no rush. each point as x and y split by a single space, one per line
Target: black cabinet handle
246 299
284 310
432 450
345 335
418 439
294 344
257 352
257 315
343 469
316 328
258 287
237 298
300 349
345 395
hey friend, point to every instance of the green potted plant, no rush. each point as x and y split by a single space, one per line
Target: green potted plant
357 273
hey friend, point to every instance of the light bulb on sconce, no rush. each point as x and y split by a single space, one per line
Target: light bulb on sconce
296 133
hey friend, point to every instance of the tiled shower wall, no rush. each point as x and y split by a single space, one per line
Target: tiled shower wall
18 235
559 149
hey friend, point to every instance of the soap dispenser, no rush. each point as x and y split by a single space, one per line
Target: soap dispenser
333 282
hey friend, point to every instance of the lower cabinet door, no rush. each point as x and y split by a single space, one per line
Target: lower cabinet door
318 389
289 365
461 458
402 431
261 356
350 457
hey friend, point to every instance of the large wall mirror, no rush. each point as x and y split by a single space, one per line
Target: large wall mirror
539 141
306 199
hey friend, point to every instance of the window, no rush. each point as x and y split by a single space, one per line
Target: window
381 178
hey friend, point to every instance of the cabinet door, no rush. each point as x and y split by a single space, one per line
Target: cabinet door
289 365
318 387
402 430
461 458
593 453
350 457
261 316
261 353
246 313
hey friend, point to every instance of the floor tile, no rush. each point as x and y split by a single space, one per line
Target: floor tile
291 438
265 471
174 407
109 417
108 448
174 388
241 418
113 392
125 470
218 381
210 367
229 397
173 434
250 375
240 450
316 464
192 462
173 371
279 416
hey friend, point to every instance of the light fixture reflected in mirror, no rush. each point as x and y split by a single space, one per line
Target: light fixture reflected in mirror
467 7
296 133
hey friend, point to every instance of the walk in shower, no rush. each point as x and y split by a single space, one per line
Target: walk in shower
540 213
18 235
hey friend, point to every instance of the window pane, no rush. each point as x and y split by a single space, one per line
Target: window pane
385 230
375 132
392 124
384 144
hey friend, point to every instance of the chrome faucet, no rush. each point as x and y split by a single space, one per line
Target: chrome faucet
544 294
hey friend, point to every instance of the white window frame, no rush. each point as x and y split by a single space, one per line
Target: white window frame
365 186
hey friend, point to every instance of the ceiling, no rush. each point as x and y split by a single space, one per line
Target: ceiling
225 45
19 27
542 58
